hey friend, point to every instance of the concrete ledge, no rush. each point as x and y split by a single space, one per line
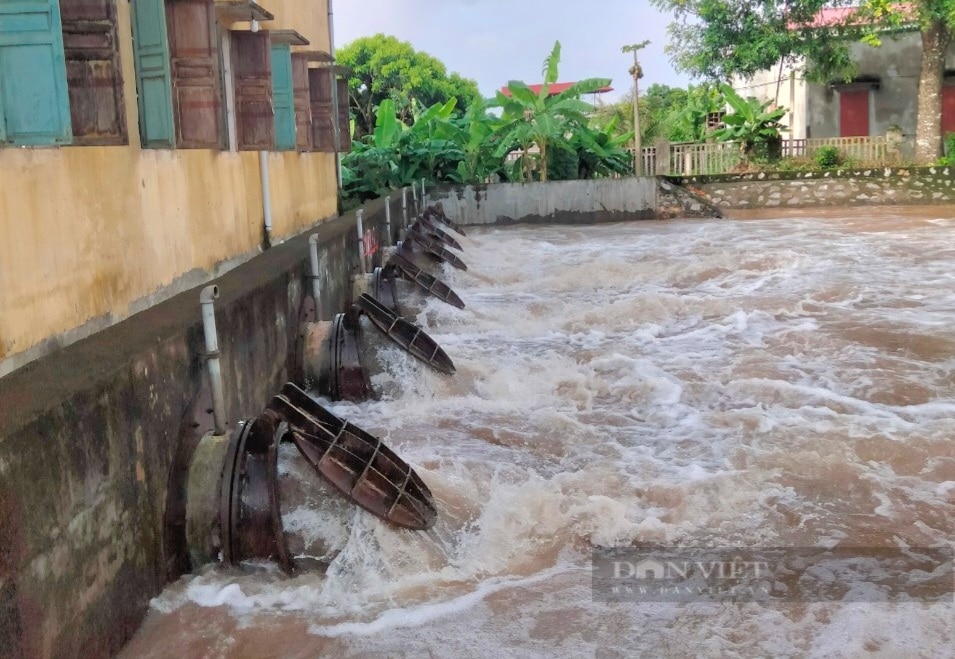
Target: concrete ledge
566 202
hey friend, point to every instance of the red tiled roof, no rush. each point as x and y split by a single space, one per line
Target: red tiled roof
830 16
555 89
835 16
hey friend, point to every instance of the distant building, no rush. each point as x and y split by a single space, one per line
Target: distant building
881 96
556 88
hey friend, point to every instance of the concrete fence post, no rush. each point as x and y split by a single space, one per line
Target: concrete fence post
663 158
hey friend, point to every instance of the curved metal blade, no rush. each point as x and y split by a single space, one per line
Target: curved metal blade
356 463
410 337
432 211
437 250
426 282
428 228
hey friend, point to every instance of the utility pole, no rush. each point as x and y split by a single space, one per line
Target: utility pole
637 73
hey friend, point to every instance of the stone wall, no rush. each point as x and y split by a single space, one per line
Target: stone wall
855 187
93 439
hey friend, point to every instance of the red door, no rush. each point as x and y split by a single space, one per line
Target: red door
948 110
854 113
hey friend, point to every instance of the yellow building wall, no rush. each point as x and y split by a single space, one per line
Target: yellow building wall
89 235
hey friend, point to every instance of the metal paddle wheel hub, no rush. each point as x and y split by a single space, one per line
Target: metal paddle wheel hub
383 285
345 379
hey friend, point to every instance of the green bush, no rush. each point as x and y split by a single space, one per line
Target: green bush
828 157
949 158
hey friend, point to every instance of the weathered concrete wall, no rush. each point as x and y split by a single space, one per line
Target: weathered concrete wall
928 185
90 235
90 440
598 200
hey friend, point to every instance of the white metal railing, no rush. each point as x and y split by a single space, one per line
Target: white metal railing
702 158
872 149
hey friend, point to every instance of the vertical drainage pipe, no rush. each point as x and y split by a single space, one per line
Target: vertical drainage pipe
335 99
207 299
404 212
266 195
313 266
388 220
414 197
360 217
424 202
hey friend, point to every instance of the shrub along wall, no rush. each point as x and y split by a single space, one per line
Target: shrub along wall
843 187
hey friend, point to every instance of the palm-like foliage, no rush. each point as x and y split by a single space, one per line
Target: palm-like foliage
443 145
541 119
601 152
752 123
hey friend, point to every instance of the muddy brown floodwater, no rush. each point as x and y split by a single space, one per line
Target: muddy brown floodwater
781 381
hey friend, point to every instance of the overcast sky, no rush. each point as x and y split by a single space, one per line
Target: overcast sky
493 41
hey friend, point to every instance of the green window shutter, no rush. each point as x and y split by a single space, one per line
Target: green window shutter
283 98
153 77
34 102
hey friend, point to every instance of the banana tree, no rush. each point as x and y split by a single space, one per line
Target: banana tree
474 135
542 119
753 124
601 152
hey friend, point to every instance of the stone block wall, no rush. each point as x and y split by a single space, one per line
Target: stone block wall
855 187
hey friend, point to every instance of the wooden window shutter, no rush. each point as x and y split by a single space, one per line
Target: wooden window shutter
194 61
283 101
320 92
153 78
344 116
303 108
252 72
34 102
93 71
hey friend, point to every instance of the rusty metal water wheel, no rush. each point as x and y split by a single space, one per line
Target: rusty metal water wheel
354 462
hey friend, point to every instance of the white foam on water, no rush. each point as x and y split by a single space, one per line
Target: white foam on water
743 383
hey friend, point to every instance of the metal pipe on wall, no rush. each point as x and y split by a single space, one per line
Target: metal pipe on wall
207 300
360 217
313 266
388 220
266 194
335 99
404 212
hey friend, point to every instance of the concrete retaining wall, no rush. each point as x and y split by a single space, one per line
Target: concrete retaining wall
90 443
926 185
590 201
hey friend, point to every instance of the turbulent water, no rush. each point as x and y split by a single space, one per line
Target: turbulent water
748 382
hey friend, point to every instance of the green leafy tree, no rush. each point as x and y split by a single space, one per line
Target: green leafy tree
721 38
385 68
541 119
670 113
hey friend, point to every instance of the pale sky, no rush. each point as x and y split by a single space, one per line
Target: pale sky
493 41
